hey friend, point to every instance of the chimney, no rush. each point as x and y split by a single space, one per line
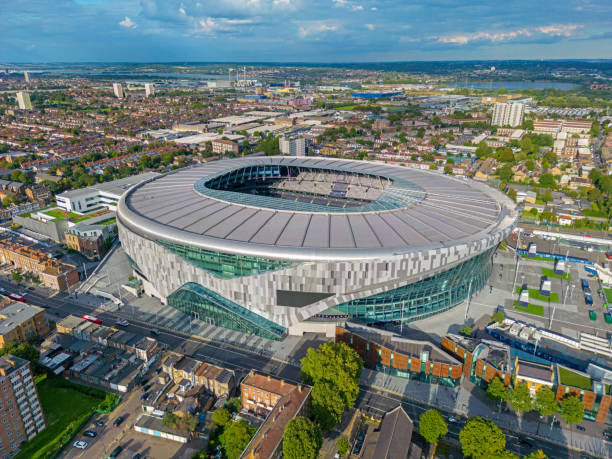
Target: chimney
282 382
269 378
299 388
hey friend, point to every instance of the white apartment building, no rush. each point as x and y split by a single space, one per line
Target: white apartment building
508 114
292 147
118 90
23 100
149 89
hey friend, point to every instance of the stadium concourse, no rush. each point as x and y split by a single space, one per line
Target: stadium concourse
281 245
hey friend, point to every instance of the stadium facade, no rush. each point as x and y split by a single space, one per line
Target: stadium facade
272 245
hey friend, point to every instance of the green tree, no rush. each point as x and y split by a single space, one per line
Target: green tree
505 172
499 317
16 276
432 427
333 369
343 445
497 390
519 399
545 402
572 410
481 438
448 170
512 194
169 419
539 454
235 438
505 155
234 404
221 416
483 150
302 439
548 180
547 196
25 351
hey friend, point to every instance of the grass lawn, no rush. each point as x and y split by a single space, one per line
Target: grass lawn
534 293
347 107
537 258
608 293
569 378
551 273
108 222
59 214
531 309
79 218
65 407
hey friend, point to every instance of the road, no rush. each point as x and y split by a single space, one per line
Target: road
373 401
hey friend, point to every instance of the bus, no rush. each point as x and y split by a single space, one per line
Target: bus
93 319
585 285
16 297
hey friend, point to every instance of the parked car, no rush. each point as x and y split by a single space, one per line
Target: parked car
80 444
116 452
118 421
90 433
607 435
99 422
453 419
147 387
580 428
122 323
144 396
525 441
155 331
137 456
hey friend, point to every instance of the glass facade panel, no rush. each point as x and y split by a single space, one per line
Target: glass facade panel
422 299
210 307
225 265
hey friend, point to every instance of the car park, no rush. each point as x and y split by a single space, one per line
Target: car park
80 444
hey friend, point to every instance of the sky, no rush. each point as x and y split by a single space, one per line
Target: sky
302 30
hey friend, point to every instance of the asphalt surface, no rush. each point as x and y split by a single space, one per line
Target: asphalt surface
373 402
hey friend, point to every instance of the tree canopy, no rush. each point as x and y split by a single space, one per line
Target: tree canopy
25 351
497 390
572 410
520 398
235 438
545 402
333 369
481 438
302 439
221 416
539 454
432 426
343 445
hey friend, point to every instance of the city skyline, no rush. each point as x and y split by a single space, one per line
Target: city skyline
299 31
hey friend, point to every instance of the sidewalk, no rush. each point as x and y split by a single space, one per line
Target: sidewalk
460 400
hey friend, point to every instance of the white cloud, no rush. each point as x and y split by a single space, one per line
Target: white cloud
551 30
182 11
127 23
313 29
370 26
212 26
374 8
357 8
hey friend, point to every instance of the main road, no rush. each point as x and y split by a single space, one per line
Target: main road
372 401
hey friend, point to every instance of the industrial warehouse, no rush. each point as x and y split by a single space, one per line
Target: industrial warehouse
283 245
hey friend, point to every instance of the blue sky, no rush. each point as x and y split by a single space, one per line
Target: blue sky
302 30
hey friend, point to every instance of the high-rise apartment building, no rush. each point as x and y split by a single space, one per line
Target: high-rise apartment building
26 76
149 89
508 114
118 90
23 100
21 415
292 147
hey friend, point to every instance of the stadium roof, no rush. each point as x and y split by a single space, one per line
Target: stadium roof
418 210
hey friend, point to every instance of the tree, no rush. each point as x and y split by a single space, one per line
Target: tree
234 404
432 427
505 172
548 180
25 351
483 150
235 438
539 454
512 194
499 317
302 439
505 155
169 419
497 390
520 398
448 170
343 445
187 423
466 331
545 402
547 196
16 276
221 416
572 410
333 369
481 438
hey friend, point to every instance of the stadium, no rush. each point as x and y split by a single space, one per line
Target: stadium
276 245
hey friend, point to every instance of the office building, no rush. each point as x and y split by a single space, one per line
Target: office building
293 147
508 114
149 89
222 146
262 245
118 90
21 416
20 322
23 100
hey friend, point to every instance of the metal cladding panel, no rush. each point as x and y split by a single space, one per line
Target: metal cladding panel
427 231
317 234
385 234
341 235
364 236
269 232
408 233
151 202
224 227
190 219
172 213
440 223
251 231
201 226
294 232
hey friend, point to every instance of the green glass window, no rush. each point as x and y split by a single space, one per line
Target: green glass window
212 308
225 264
